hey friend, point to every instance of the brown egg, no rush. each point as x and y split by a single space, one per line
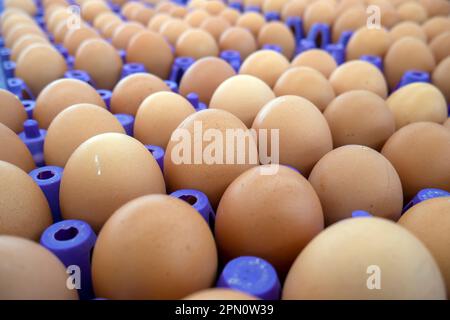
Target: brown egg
417 102
178 11
129 8
129 93
250 221
317 59
19 31
367 41
321 11
91 9
110 28
214 7
344 5
72 127
407 29
447 123
95 184
143 15
253 21
215 26
277 33
367 258
204 76
23 43
60 32
124 33
410 150
26 5
28 271
157 21
196 17
355 177
436 26
15 20
231 15
307 83
440 46
273 5
219 294
216 165
159 115
14 151
24 210
172 29
12 112
267 65
38 65
196 43
163 227
412 11
103 18
294 8
374 125
153 51
61 94
164 6
350 20
239 39
407 54
436 7
358 75
101 60
56 17
75 37
441 78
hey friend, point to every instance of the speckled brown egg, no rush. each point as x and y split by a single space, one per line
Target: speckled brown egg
360 117
412 11
358 75
159 115
317 59
407 54
74 125
435 26
24 42
204 76
441 78
172 29
277 33
196 17
124 33
367 41
129 93
75 37
14 151
407 29
252 21
238 39
188 44
157 21
307 83
91 9
61 94
231 15
440 46
153 51
436 7
355 177
267 65
215 25
411 149
350 20
12 112
321 11
219 294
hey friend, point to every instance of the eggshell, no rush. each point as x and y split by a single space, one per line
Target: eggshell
238 39
23 43
375 121
440 46
212 173
215 26
28 271
307 83
76 36
129 93
56 17
14 151
103 18
253 21
163 227
20 30
412 11
196 43
15 20
26 5
231 15
436 7
124 33
358 75
172 30
320 11
60 32
157 21
219 294
74 125
12 111
196 17
410 151
277 33
61 94
213 7
436 26
367 41
317 59
344 5
267 65
447 123
178 11
357 251
204 76
294 8
110 28
91 9
159 115
95 183
404 55
407 29
441 77
350 20
273 5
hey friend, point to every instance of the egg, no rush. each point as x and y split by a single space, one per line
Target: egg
178 11
12 112
101 61
436 7
196 17
109 28
215 26
355 177
219 294
344 5
27 6
321 11
153 51
417 102
172 30
375 121
161 226
361 264
20 30
238 39
157 21
23 43
250 221
28 271
307 83
24 210
436 26
103 18
164 6
441 78
61 94
38 65
204 165
304 135
231 15
76 36
412 11
253 21
447 123
124 33
410 151
214 7
277 33
129 93
273 5
350 20
196 43
12 17
367 41
74 125
129 8
91 9
440 46
204 76
14 151
94 183
317 59
159 115
406 54
243 96
56 17
267 65
294 8
407 29
60 32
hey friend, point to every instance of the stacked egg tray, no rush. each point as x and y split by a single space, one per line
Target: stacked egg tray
253 273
